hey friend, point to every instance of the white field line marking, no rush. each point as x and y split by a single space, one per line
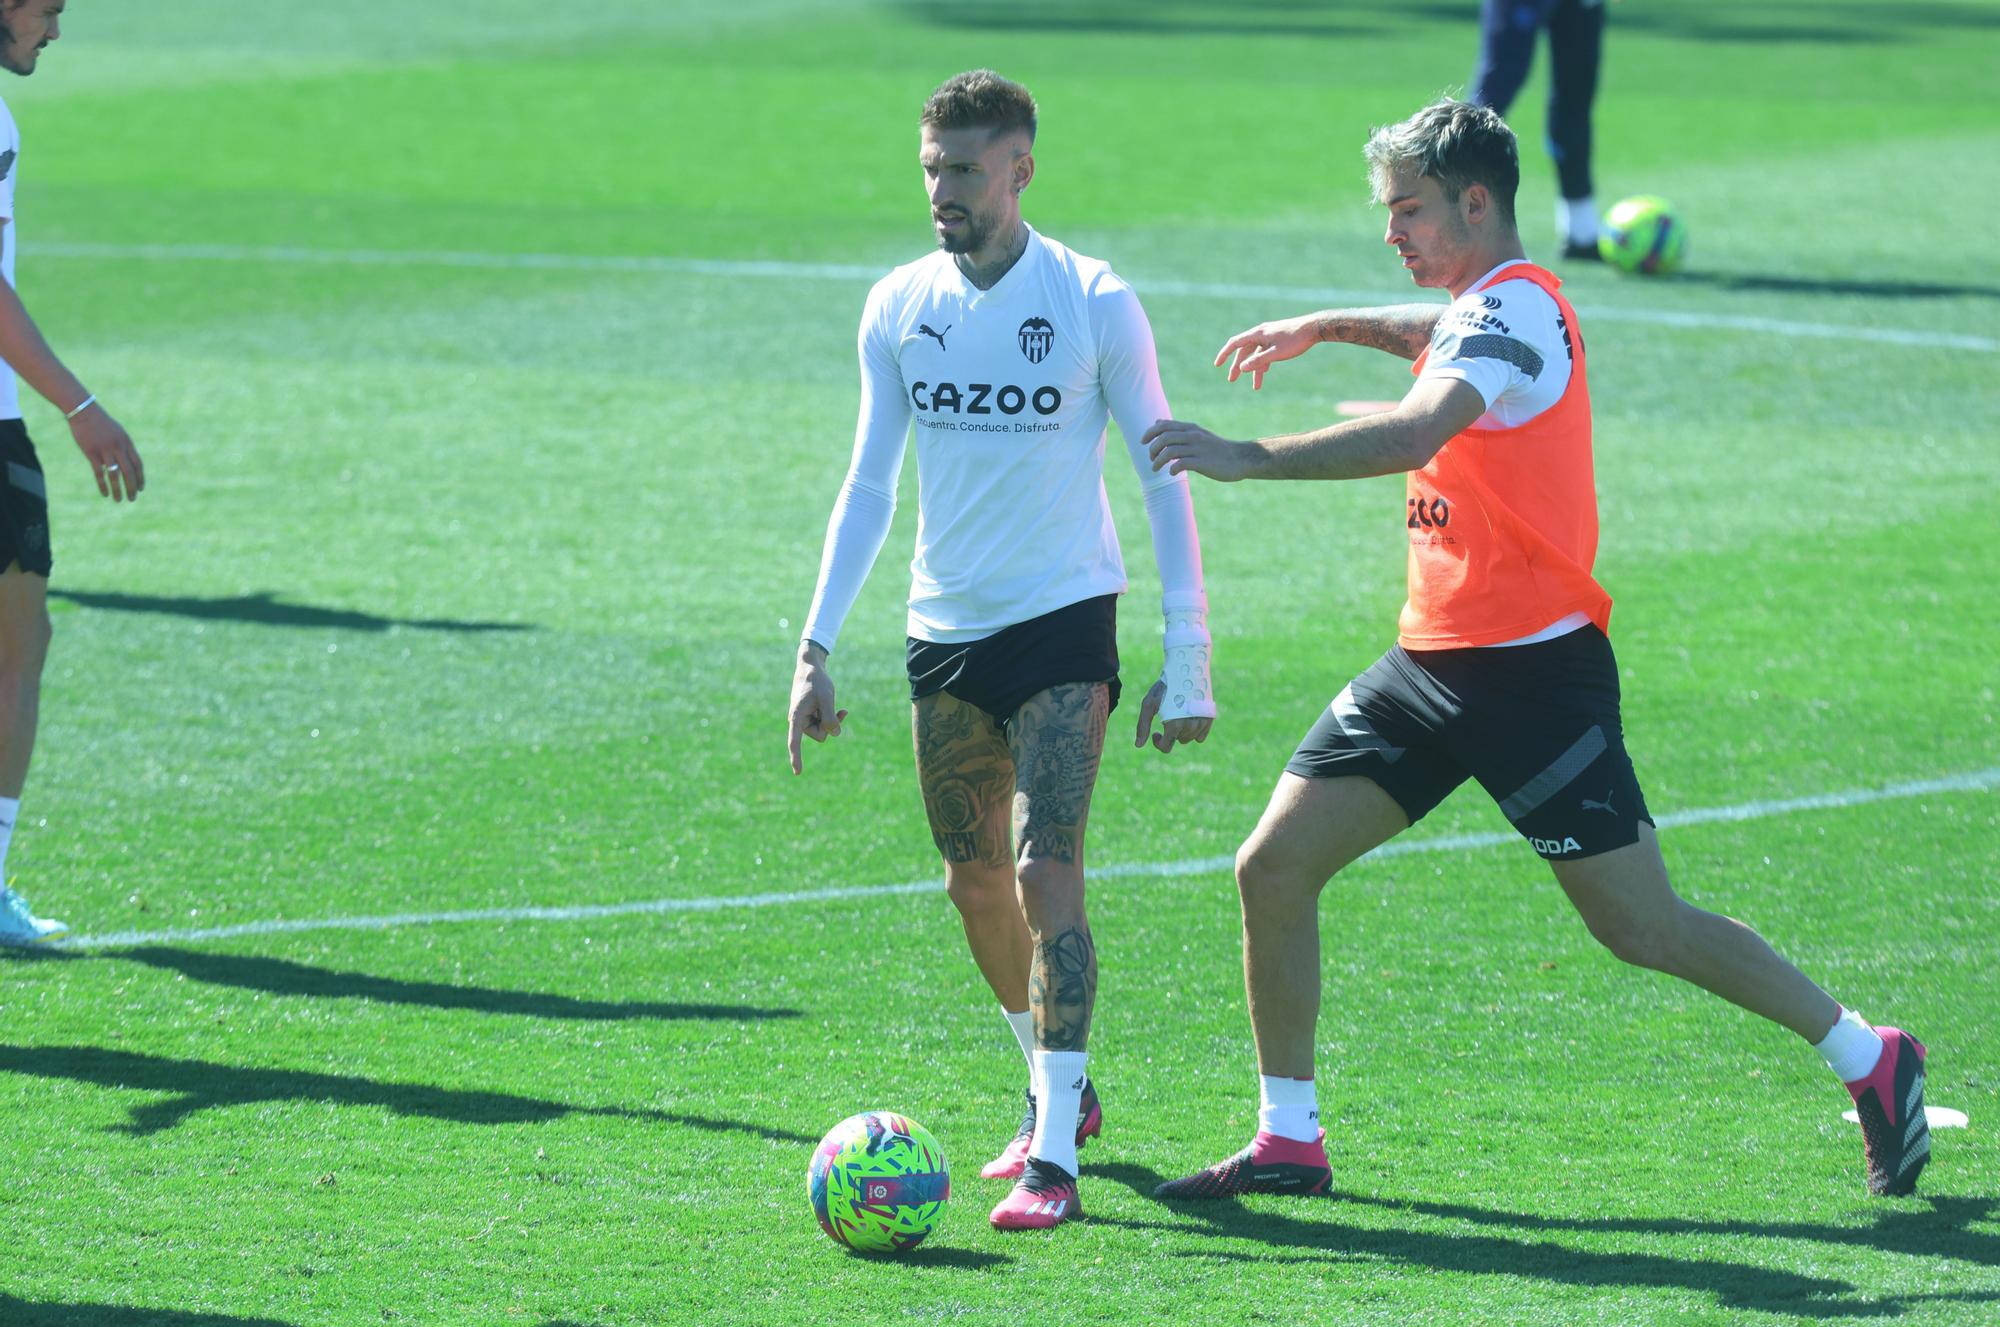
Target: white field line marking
1976 781
558 262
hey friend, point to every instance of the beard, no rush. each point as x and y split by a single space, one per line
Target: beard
977 230
8 60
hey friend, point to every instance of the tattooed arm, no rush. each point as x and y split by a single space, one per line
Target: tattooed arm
1435 411
1402 330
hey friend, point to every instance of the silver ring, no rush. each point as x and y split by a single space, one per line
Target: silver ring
109 468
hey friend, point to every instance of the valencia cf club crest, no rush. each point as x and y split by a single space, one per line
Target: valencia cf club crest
1037 339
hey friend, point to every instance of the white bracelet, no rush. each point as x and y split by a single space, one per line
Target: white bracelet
82 406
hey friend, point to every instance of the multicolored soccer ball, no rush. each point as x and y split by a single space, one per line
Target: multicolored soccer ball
1642 235
878 1182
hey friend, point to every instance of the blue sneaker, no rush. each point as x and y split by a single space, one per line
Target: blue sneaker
21 927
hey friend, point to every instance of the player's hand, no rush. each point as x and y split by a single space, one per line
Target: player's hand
1172 731
1255 351
813 713
1178 448
114 461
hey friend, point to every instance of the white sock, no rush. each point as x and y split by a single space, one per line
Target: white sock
1288 1107
10 810
1852 1048
1576 220
1023 1024
1059 1077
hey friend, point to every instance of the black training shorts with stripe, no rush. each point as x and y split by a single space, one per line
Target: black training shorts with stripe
1537 725
24 502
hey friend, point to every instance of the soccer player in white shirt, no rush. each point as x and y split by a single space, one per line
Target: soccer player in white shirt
26 26
1008 352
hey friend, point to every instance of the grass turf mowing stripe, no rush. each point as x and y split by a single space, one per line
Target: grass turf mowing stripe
789 271
1972 781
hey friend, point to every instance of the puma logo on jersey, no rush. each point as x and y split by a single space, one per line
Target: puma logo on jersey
1555 847
925 328
1604 806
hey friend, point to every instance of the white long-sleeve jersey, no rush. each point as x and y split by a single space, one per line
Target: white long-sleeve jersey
1010 390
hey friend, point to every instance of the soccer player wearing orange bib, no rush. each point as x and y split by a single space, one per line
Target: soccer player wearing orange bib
1502 672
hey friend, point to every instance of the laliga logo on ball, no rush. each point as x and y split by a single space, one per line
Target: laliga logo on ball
878 1182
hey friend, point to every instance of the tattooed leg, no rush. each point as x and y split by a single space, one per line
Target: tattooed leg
967 777
1056 740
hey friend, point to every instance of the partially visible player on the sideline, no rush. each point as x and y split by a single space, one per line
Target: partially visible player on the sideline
1507 33
1503 672
1009 351
26 26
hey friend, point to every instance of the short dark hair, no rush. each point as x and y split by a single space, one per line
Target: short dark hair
1455 143
980 99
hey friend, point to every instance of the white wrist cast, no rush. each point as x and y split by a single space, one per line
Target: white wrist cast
1190 692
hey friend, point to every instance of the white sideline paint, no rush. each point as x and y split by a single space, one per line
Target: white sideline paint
561 262
1976 781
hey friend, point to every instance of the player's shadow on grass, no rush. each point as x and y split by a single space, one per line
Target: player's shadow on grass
1319 1237
283 977
1763 284
266 610
36 1313
197 1085
1941 1232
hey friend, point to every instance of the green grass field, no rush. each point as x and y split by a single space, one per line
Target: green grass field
487 489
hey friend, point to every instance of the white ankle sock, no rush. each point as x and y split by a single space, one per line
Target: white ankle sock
1023 1024
1576 220
1852 1048
1288 1107
1059 1077
10 810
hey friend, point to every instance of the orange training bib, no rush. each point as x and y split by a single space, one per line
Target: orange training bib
1503 522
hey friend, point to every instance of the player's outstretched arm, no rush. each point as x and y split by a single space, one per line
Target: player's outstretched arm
114 461
813 713
1402 330
1406 438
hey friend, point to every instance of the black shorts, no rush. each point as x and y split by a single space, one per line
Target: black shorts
24 503
1537 725
1002 671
